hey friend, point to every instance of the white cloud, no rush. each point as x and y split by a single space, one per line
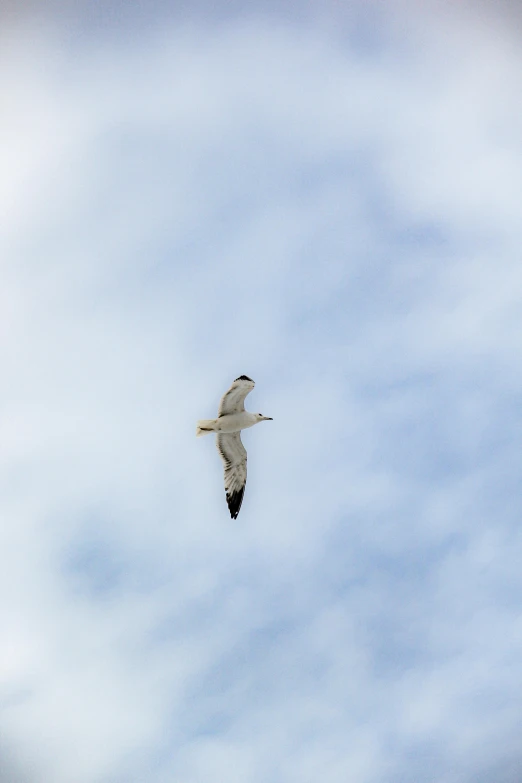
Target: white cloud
343 227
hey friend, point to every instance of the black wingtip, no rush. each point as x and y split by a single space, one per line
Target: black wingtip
234 501
244 378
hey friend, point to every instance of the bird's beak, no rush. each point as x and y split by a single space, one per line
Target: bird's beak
267 418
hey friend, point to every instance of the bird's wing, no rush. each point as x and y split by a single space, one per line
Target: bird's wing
234 457
233 401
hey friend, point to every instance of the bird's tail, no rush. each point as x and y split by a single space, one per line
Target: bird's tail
204 426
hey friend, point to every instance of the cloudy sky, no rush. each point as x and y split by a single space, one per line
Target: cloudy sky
325 197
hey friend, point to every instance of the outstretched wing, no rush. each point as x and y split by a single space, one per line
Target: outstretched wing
234 457
233 401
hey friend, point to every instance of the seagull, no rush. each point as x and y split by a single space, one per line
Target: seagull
232 418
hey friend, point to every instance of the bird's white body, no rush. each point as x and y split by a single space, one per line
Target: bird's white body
232 418
231 422
234 422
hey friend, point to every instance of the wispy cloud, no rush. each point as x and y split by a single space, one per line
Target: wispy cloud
335 214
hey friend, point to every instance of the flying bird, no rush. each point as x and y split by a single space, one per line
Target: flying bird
232 418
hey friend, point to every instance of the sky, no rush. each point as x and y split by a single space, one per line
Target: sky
326 198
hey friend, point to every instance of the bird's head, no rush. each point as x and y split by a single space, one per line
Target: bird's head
260 417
